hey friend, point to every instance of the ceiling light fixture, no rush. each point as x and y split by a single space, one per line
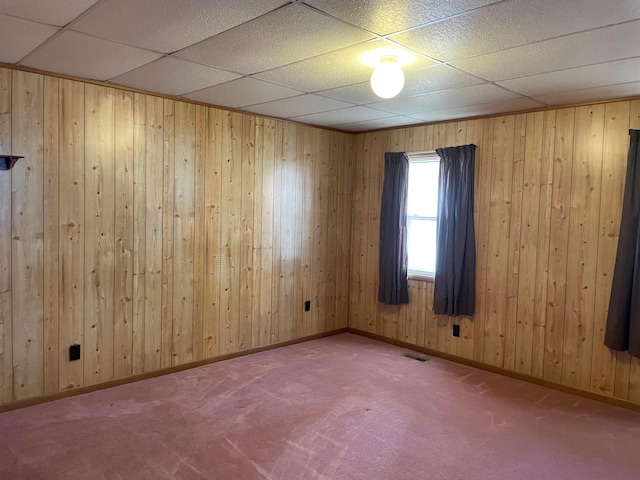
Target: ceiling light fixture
387 78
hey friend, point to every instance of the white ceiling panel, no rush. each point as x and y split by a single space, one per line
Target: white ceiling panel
513 23
169 25
459 97
19 37
388 16
359 93
46 11
242 92
477 110
344 115
388 122
76 54
284 36
621 71
602 45
173 76
592 94
297 106
342 67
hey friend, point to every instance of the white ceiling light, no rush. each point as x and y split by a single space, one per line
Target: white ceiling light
387 78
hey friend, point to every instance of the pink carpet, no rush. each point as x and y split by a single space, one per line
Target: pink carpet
344 407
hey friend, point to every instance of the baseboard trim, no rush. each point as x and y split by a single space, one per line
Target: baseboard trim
27 402
502 371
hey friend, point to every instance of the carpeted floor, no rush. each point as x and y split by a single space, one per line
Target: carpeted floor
343 407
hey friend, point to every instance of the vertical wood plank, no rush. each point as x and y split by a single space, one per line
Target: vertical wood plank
226 339
498 254
99 246
559 244
356 313
306 172
482 205
287 199
278 275
542 244
199 235
169 122
51 233
139 232
214 259
6 315
256 290
155 309
124 236
529 243
183 233
616 134
583 246
267 272
245 331
71 230
299 236
511 320
27 274
235 238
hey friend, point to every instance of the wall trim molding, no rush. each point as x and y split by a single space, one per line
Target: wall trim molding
28 402
618 402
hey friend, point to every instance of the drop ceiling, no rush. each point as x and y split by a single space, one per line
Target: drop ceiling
309 61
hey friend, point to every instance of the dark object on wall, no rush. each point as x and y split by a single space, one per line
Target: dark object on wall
394 287
74 352
454 289
8 161
623 320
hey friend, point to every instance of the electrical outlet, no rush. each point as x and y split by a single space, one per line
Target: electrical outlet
456 330
74 352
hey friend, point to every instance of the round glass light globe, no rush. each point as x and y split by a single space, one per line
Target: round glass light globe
387 78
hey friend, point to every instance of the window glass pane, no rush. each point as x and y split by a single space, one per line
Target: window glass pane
421 245
423 189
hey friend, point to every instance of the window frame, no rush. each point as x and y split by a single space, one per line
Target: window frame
428 156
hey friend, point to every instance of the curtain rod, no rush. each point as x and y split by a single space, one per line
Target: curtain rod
421 154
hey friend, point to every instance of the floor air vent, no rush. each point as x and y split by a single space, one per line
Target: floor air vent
413 356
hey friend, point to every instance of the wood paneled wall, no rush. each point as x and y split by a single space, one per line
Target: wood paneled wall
548 198
155 232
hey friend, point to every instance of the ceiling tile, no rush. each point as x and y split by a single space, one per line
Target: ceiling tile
19 37
388 16
423 80
513 23
478 110
284 36
296 106
173 76
592 94
242 92
359 93
46 11
602 45
459 97
344 115
167 25
389 122
342 67
620 71
76 54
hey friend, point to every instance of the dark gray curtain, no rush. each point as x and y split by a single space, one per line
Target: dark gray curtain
623 321
394 289
455 282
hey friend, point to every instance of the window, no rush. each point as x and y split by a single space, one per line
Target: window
422 212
